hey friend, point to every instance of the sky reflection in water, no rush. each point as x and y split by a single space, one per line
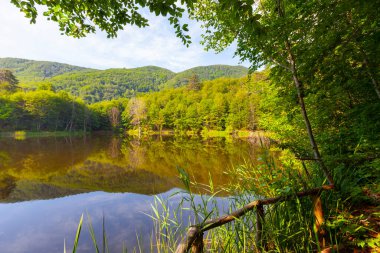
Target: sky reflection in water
46 184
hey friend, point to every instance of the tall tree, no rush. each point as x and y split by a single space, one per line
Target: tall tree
137 111
276 33
194 83
8 82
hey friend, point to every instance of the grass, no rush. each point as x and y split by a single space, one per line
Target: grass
22 135
93 237
288 226
76 240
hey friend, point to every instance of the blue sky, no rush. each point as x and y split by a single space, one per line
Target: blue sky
134 47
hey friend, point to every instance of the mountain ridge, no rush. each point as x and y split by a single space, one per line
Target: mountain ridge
26 69
94 85
3 64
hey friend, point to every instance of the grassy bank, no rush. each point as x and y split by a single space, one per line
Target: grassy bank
21 135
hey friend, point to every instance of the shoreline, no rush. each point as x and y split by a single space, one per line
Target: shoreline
21 135
254 136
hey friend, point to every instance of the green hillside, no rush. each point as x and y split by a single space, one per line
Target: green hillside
31 71
97 85
108 84
206 73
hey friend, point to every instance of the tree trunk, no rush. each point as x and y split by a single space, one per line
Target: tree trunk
319 220
300 93
259 227
375 83
197 246
160 129
72 115
56 124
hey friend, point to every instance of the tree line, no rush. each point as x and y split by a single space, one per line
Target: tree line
221 104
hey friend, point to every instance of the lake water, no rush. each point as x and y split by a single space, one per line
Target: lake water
47 183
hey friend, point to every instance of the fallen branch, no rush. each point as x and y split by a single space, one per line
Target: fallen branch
194 231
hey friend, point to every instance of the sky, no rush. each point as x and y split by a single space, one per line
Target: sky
134 47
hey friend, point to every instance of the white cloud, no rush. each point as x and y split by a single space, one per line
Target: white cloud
134 47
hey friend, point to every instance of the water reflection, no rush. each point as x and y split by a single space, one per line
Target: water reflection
44 168
100 174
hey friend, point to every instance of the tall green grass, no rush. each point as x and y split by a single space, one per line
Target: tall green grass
287 226
77 235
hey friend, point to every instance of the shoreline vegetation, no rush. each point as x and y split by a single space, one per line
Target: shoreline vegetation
259 137
21 135
204 134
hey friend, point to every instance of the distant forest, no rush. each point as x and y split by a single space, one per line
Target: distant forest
97 85
52 96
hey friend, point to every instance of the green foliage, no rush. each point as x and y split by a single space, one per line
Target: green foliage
109 16
43 110
32 71
96 86
354 231
288 226
7 109
205 73
106 115
325 50
8 82
222 104
77 235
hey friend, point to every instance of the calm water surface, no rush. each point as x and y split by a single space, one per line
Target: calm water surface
47 183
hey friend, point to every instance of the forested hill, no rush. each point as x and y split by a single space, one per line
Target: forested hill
31 71
97 85
206 73
109 84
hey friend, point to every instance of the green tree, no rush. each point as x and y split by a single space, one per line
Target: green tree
136 109
194 83
155 115
7 112
8 82
273 32
45 86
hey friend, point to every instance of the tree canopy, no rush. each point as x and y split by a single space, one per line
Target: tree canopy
8 82
80 18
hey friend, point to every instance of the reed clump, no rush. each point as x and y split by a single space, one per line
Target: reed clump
287 226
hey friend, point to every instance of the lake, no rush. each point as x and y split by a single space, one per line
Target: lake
47 183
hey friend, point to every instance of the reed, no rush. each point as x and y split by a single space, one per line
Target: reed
286 227
77 236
